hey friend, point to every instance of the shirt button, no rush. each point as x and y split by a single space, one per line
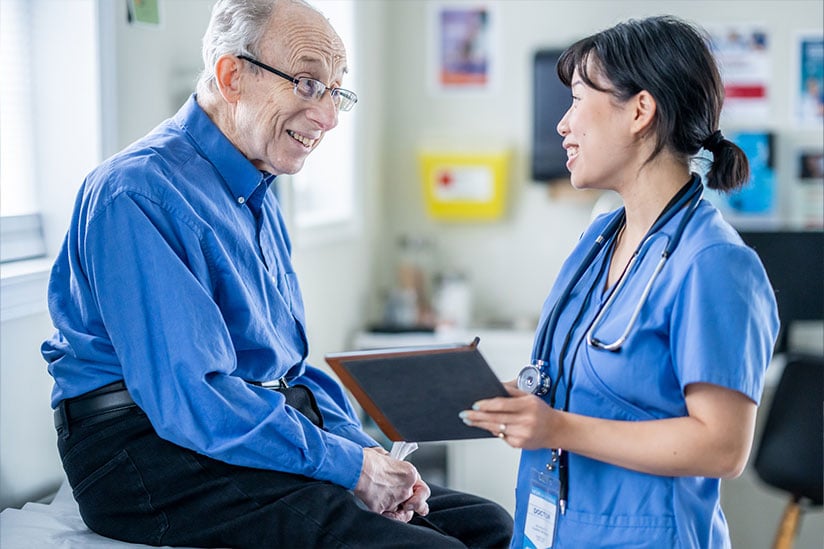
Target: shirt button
241 200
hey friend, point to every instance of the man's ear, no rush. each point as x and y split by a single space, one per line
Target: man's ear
644 109
228 77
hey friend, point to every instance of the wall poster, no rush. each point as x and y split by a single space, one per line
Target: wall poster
808 88
143 12
809 195
742 52
461 46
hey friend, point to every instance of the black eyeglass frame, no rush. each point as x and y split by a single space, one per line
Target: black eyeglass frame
343 98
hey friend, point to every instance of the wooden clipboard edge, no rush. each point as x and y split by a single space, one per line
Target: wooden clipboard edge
335 360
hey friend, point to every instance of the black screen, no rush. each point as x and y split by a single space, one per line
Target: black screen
550 100
794 261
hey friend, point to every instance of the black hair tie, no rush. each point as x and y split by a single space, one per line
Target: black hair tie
711 143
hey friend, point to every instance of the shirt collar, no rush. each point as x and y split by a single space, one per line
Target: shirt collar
255 200
240 175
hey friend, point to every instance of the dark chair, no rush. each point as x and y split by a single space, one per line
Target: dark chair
790 454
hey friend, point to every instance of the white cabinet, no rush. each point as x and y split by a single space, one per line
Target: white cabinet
488 466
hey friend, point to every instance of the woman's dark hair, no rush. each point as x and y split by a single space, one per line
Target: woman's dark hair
671 60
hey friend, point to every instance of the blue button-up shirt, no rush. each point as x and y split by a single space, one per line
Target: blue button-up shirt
176 277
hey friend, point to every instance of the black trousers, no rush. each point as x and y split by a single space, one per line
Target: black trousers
134 486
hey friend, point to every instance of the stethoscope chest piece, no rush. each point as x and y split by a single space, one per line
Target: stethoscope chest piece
532 380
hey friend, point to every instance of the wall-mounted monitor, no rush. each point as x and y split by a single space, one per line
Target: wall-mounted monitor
550 100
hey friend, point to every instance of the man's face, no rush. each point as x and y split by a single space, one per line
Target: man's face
275 128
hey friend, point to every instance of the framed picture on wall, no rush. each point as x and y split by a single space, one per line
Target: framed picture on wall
461 46
743 54
808 199
758 197
811 165
144 13
808 86
756 204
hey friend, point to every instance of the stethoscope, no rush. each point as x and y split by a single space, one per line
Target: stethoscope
533 378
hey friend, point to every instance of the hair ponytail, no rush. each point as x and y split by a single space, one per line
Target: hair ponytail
730 169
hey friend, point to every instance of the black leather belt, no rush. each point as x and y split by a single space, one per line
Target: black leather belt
112 400
105 400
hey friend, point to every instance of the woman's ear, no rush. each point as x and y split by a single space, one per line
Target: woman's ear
227 77
644 108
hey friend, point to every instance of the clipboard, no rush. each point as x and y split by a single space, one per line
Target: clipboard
415 393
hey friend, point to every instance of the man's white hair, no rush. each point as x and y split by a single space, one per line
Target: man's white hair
236 28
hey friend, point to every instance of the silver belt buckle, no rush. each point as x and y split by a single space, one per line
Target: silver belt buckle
276 384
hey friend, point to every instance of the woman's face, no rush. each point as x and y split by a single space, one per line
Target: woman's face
597 136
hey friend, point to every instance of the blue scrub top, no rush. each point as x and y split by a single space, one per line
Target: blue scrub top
711 317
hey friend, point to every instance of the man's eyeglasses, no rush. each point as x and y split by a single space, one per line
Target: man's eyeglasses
311 89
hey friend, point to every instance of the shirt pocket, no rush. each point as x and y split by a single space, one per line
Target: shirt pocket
289 289
616 531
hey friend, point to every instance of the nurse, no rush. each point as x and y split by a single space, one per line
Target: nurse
649 360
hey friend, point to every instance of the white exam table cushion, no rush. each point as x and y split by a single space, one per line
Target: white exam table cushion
56 524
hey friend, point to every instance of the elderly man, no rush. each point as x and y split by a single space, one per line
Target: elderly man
185 410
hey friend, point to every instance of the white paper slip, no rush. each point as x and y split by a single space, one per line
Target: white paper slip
402 449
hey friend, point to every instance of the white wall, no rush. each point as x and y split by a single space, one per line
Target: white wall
154 67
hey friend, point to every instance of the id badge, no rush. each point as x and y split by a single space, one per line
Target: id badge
542 510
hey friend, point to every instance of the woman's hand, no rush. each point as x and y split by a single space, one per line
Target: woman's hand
713 440
522 421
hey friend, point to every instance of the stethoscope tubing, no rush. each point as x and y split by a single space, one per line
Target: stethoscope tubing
616 345
551 323
540 355
668 251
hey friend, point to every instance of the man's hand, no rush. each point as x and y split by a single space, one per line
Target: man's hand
415 504
389 485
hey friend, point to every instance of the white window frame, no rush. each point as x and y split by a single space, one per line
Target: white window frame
21 238
323 197
27 244
24 272
17 165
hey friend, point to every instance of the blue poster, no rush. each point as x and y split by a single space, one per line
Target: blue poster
758 195
811 80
